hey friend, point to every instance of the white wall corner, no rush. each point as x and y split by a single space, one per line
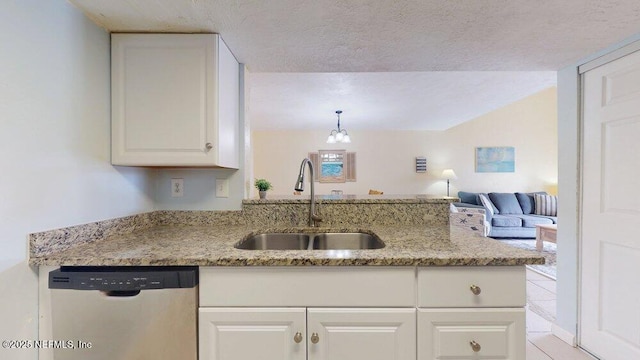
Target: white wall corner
563 335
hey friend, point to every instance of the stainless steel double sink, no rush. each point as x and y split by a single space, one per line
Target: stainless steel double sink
311 241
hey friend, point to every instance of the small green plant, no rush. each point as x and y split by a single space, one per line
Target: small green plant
262 185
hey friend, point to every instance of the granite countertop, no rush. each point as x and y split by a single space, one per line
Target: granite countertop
212 245
353 199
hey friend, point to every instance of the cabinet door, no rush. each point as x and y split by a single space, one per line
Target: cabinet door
165 100
471 334
252 333
372 334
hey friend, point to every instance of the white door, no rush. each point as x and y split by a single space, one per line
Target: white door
359 334
252 333
610 256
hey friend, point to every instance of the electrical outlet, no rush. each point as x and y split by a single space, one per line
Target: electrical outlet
222 188
177 187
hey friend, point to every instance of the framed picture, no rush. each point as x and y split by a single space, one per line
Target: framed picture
495 159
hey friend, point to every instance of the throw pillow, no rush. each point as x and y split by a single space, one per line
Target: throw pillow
507 203
493 206
488 206
527 202
546 205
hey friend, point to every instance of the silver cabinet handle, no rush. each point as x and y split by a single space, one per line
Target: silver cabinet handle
475 346
315 338
475 289
209 146
297 337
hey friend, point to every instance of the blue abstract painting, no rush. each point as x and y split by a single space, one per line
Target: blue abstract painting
495 159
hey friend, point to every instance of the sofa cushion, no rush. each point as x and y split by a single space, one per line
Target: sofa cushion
506 221
512 232
546 205
554 219
507 203
493 206
490 209
532 220
527 201
469 197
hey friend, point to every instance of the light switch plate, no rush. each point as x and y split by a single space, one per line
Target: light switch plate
222 188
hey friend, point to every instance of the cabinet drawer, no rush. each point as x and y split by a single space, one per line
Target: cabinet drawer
344 286
471 334
496 286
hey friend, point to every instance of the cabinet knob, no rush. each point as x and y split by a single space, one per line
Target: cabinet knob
209 146
475 289
475 346
297 337
315 338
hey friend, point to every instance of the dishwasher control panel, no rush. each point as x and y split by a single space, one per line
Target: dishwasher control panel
123 278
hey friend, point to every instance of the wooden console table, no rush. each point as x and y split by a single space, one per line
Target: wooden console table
545 233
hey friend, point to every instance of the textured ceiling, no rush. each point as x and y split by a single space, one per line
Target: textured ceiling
401 101
422 36
391 35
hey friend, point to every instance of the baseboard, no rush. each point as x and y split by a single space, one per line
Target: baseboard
563 335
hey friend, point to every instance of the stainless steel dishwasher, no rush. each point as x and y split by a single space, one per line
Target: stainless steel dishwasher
124 313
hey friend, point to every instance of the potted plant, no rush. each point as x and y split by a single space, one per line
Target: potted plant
262 185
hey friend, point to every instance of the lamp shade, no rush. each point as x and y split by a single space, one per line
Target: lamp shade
449 174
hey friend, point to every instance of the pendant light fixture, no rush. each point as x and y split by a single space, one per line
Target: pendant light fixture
339 135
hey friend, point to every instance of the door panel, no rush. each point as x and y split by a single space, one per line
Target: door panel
252 333
372 334
620 149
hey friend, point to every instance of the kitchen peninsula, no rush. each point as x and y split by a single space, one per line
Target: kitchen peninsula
462 293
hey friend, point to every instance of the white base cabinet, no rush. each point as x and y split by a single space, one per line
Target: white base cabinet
175 101
300 334
362 313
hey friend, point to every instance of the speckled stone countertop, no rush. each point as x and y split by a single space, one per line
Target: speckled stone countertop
354 199
212 245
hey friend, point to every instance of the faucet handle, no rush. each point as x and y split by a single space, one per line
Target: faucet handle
316 219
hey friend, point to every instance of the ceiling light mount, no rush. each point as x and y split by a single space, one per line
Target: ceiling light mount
340 135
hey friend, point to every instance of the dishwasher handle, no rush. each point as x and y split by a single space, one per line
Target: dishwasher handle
121 293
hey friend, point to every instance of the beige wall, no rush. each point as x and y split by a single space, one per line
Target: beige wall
386 160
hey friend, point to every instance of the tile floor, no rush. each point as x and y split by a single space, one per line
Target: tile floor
541 312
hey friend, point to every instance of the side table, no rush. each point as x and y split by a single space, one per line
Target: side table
545 233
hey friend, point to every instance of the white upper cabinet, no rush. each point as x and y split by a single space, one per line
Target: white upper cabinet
175 101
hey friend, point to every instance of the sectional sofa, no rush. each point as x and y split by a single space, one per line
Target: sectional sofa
512 215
